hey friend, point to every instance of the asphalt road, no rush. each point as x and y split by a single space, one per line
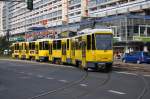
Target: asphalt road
31 80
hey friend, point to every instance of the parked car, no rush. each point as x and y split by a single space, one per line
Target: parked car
136 57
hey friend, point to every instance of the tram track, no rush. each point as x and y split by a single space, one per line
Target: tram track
145 89
101 84
73 83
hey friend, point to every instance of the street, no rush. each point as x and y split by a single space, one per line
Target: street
21 79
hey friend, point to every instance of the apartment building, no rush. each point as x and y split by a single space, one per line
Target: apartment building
1 21
102 8
51 12
67 14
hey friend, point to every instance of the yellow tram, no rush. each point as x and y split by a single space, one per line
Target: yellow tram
16 50
90 49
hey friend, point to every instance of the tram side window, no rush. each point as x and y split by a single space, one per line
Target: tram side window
67 44
93 42
22 46
30 46
45 47
88 42
59 44
54 45
17 46
25 46
41 45
33 46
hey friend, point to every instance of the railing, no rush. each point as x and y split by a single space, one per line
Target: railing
126 5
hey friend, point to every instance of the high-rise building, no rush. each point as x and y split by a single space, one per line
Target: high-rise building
49 12
5 18
67 14
103 8
1 21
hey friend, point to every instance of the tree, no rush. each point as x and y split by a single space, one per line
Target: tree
4 44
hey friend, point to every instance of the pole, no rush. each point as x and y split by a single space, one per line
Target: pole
139 30
126 34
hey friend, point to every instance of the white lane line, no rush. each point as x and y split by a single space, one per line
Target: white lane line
40 76
83 85
29 73
147 75
49 78
25 77
64 81
22 72
127 73
116 92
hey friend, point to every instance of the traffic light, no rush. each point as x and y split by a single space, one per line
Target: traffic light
30 4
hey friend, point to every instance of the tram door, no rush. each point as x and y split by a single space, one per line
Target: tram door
63 52
83 47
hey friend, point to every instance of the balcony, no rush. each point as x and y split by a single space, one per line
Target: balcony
122 8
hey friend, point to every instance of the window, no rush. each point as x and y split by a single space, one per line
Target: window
67 44
93 42
16 46
44 45
57 45
146 53
40 45
32 46
54 45
103 42
88 42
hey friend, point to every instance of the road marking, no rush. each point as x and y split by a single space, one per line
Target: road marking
49 78
116 92
147 75
83 85
127 73
25 77
29 73
40 76
65 81
21 72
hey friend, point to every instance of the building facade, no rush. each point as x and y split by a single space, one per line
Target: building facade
46 12
1 19
62 15
5 19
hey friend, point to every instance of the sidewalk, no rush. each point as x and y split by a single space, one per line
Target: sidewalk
119 65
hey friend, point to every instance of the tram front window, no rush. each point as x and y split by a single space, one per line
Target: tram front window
103 41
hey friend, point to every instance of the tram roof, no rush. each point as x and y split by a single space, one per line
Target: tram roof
86 32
